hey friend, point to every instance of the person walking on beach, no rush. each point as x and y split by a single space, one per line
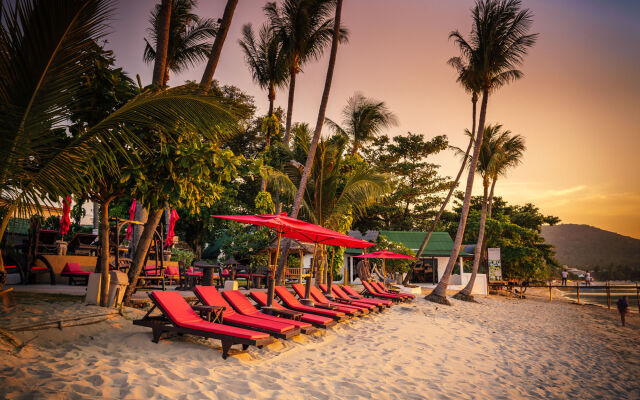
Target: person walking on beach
587 279
565 275
623 308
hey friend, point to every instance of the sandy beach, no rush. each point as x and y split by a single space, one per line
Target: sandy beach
500 348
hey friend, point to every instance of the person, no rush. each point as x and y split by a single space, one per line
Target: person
623 308
587 279
565 275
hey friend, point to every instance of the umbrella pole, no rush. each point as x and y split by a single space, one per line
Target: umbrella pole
307 289
272 275
330 275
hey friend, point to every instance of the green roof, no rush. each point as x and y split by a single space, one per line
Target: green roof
440 243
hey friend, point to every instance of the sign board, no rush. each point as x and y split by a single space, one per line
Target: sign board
495 268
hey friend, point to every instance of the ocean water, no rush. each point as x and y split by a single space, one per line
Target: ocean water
598 296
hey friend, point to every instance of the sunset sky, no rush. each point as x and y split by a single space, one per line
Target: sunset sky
578 105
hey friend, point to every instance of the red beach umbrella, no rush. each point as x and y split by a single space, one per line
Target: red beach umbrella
383 254
65 222
296 229
172 224
132 215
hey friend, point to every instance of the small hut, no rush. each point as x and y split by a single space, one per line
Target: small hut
299 248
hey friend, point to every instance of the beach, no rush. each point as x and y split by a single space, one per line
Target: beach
500 347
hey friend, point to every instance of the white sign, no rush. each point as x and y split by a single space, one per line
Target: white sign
495 268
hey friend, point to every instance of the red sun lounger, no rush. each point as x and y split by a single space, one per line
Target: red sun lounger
351 292
316 320
300 290
210 296
381 289
291 302
319 297
74 272
340 295
243 306
375 292
178 316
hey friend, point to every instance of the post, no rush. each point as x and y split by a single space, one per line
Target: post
271 283
550 293
301 266
638 296
608 295
307 289
578 290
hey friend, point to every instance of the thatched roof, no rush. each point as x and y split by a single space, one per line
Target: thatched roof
295 247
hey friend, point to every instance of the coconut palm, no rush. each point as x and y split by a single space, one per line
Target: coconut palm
216 50
363 119
44 47
498 43
265 59
188 37
512 151
305 28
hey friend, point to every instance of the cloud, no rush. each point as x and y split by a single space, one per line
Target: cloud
564 192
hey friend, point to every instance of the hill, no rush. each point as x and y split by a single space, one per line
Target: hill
587 246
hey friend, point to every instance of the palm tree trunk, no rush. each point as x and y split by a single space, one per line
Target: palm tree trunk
104 252
292 89
316 136
272 99
474 100
96 216
493 186
162 43
439 293
3 228
465 294
141 252
221 35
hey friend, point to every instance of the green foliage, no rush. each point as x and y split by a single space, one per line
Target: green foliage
186 256
415 183
398 265
264 203
244 242
271 126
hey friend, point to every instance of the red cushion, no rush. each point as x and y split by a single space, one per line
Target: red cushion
351 291
242 275
172 271
181 313
239 302
211 297
38 268
381 288
10 266
292 302
261 298
300 289
259 323
193 272
318 295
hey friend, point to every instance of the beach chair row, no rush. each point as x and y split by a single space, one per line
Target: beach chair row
230 317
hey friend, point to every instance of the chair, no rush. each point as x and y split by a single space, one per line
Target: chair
210 296
382 289
300 291
340 295
291 302
74 272
171 274
243 306
355 295
316 320
178 316
81 244
319 297
369 289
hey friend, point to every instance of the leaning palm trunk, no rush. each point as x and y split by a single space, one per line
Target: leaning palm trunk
316 136
292 89
159 67
216 50
439 293
105 252
141 252
474 101
490 206
465 294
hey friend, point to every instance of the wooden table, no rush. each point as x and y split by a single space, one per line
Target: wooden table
207 272
212 313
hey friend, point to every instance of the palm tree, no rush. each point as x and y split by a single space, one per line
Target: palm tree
363 119
265 59
336 192
499 41
188 37
162 39
491 162
336 33
512 150
216 50
305 29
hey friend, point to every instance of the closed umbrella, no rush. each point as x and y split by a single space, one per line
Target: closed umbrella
132 215
172 224
65 221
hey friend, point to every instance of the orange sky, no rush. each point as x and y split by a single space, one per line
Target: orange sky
578 105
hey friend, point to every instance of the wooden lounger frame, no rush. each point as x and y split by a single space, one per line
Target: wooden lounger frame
160 324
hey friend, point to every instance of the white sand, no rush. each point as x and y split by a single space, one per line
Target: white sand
501 348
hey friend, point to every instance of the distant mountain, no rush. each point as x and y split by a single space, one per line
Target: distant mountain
588 246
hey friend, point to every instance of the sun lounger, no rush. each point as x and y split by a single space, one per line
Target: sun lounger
340 295
318 296
291 302
375 292
243 306
74 272
351 292
178 316
381 288
210 296
318 321
300 290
